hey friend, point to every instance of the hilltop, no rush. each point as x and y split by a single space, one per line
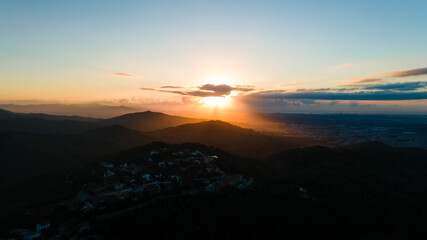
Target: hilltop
148 121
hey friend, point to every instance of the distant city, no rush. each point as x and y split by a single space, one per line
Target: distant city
341 129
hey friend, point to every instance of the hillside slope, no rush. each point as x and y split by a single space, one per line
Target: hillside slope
148 121
24 154
117 134
237 140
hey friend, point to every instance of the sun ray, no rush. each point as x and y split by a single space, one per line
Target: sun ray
215 101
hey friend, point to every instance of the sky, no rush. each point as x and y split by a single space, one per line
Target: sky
262 56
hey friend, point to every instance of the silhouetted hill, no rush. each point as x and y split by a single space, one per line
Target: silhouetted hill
363 191
4 114
88 110
148 121
44 123
61 117
237 140
368 178
44 126
366 156
23 154
34 153
120 135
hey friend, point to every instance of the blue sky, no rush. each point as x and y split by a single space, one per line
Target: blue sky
71 50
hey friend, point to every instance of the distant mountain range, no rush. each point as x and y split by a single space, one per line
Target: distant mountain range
5 114
59 124
88 110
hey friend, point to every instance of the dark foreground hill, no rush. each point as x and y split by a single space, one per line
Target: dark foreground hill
44 126
25 154
368 191
120 135
234 139
365 191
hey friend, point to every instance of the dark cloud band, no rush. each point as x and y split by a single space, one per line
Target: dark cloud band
374 96
207 90
408 86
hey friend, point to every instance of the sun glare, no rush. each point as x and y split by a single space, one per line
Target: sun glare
215 101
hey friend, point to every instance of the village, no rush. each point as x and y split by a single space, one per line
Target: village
121 185
158 171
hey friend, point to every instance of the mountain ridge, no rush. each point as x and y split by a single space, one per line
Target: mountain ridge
234 139
148 120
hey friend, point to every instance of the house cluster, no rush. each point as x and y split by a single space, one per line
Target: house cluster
135 180
24 233
152 173
302 192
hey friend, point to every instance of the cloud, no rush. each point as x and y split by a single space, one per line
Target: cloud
361 95
364 81
374 78
148 89
220 90
212 90
171 87
408 86
207 90
123 74
407 73
324 89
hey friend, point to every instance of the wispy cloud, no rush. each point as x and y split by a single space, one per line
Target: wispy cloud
407 73
123 74
364 81
375 78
